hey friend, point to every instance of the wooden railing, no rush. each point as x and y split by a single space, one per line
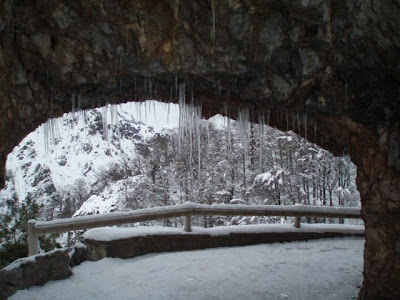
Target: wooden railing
37 228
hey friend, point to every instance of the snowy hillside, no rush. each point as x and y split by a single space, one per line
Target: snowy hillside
66 155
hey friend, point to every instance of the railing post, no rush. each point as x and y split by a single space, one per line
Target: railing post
33 239
297 221
188 223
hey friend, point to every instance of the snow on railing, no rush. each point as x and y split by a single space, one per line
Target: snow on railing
188 209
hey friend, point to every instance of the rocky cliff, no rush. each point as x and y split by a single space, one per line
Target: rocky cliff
336 63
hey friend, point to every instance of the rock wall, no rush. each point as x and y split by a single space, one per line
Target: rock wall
35 270
135 246
335 61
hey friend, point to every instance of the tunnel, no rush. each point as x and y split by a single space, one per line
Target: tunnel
334 66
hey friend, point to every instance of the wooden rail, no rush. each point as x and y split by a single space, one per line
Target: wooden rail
37 228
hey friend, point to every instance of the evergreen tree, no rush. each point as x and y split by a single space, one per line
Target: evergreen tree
14 229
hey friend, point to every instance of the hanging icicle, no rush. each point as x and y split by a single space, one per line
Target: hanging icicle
212 33
189 128
298 122
79 102
293 122
229 133
261 131
287 120
315 132
305 125
73 103
182 112
176 86
104 112
50 134
244 130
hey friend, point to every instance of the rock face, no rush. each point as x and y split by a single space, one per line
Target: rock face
79 254
30 271
329 68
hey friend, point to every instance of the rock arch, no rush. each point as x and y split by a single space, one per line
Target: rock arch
335 61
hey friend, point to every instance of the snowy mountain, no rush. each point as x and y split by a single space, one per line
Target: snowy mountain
64 157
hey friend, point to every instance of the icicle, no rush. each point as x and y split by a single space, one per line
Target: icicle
176 86
168 111
305 125
84 124
243 123
134 85
116 122
49 134
189 129
293 122
229 133
73 103
51 100
198 119
315 132
287 120
225 111
145 111
298 122
79 102
104 113
212 33
182 112
154 111
227 123
46 138
150 88
139 111
208 138
112 117
261 125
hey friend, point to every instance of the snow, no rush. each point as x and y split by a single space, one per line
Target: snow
107 234
323 269
237 201
80 245
110 200
59 144
21 261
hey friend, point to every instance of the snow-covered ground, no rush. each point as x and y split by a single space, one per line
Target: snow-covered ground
323 269
107 234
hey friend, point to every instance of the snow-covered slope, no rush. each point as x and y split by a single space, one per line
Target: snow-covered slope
66 154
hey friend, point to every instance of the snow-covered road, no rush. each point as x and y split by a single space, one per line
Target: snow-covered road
322 269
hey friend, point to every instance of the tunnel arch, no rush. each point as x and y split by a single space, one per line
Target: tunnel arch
335 61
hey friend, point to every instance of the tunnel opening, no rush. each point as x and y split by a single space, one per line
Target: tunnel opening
336 63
